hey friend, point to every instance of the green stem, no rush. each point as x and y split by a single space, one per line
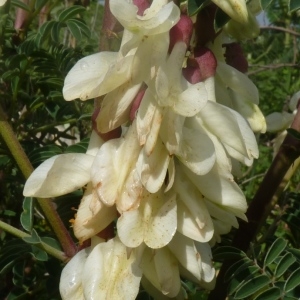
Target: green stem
46 204
20 234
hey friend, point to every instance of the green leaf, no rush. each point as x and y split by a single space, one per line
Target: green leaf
33 239
221 19
78 28
9 213
38 253
70 13
294 5
285 262
252 286
10 74
276 248
40 3
237 281
44 32
20 4
237 267
51 242
295 252
227 252
37 156
11 252
292 281
80 147
75 30
293 294
193 6
27 214
17 293
272 293
55 31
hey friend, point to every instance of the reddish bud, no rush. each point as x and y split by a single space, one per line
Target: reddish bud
191 73
142 5
84 244
234 57
182 31
202 66
207 62
108 232
136 103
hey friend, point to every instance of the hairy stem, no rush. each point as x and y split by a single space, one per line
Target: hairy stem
21 234
26 168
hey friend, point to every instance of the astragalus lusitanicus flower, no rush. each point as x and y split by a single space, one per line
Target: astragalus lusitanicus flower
187 116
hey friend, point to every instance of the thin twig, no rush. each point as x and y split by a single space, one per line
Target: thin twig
26 168
263 68
293 32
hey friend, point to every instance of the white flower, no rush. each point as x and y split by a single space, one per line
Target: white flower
2 2
236 90
114 174
70 285
102 271
65 173
92 215
154 222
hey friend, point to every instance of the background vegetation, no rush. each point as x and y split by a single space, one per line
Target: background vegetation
39 42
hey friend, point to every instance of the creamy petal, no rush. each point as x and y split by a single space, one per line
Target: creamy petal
113 163
162 21
185 251
85 77
234 130
219 186
161 269
238 82
192 100
59 175
92 215
115 107
152 168
279 121
70 285
108 272
196 151
155 222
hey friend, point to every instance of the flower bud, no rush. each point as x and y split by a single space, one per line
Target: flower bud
136 103
182 31
142 5
201 67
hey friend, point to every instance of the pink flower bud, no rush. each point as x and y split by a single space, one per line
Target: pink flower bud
142 6
202 66
136 103
182 31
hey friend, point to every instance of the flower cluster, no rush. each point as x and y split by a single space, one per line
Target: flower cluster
175 122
